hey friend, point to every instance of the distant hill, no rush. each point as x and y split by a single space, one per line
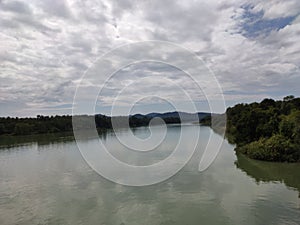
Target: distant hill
183 116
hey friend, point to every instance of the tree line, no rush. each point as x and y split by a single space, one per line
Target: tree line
54 124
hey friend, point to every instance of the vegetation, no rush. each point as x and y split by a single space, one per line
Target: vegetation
38 125
54 124
269 130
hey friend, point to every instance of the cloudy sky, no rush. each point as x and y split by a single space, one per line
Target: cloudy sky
252 47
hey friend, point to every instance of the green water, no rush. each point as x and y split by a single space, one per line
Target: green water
44 180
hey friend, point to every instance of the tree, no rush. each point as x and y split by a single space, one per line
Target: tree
269 130
2 129
288 98
23 128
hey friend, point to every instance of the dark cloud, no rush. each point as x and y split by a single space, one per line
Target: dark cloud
15 6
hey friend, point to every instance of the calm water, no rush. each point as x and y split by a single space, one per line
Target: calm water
48 182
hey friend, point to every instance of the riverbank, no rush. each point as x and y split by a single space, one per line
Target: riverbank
268 131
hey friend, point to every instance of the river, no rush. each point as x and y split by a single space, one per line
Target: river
45 180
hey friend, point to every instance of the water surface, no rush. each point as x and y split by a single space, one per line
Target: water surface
45 180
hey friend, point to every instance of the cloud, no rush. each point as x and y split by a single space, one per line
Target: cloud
59 8
251 46
16 7
277 8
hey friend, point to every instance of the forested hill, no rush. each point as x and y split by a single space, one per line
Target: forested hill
269 130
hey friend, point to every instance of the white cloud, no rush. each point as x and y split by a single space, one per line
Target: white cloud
277 8
45 46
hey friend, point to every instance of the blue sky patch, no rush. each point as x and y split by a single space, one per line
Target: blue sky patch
255 25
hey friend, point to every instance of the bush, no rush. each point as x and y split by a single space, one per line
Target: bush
276 148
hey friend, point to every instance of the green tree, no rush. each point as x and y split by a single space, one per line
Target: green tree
23 129
288 98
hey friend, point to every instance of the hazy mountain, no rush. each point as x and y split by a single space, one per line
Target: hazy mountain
183 116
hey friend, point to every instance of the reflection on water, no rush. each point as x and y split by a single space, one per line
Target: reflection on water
288 173
41 139
50 183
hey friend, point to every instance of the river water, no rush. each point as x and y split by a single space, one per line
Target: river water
45 180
